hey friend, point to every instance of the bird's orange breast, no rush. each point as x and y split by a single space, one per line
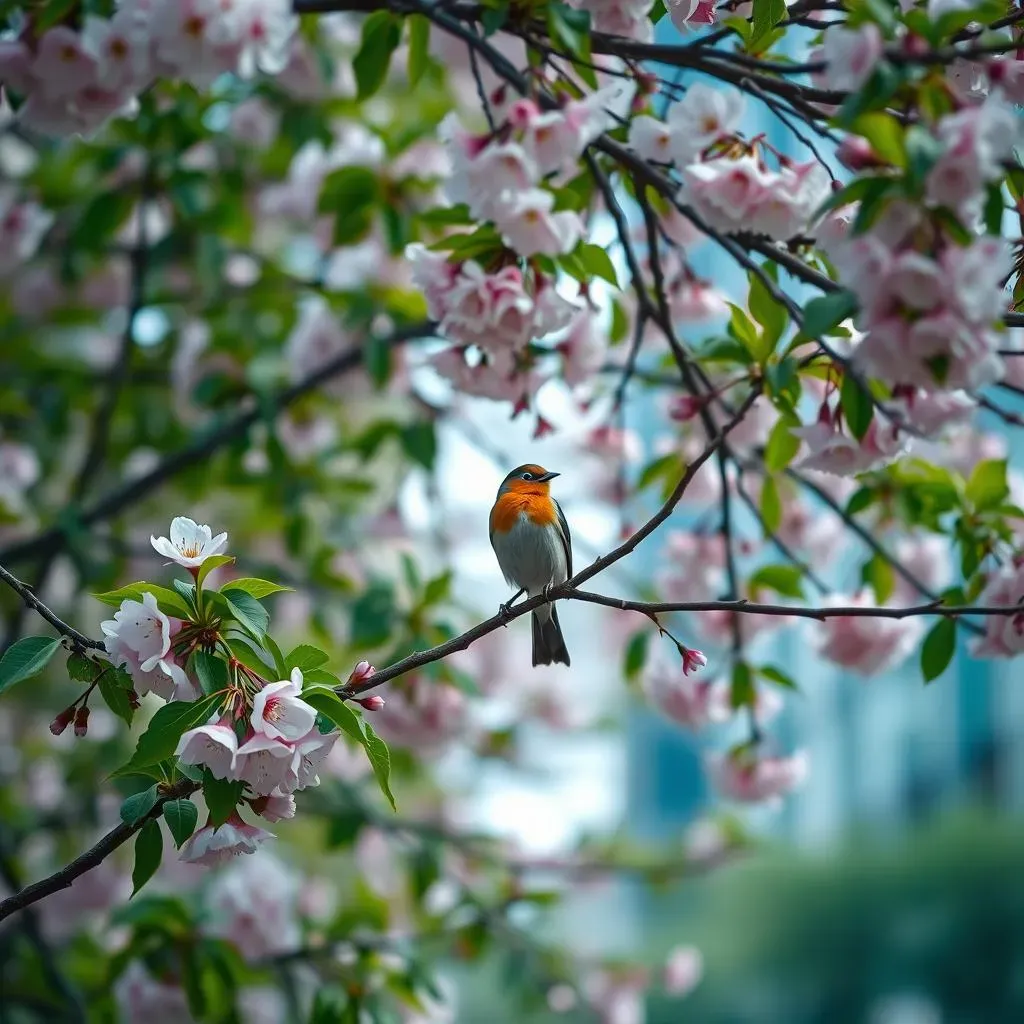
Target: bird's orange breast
539 509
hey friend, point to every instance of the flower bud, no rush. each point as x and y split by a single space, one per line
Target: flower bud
685 407
133 700
361 674
81 721
373 703
693 660
62 721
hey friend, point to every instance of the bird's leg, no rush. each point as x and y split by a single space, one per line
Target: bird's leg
505 610
546 592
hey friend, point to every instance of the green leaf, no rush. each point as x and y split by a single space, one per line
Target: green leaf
878 574
636 654
209 564
181 817
102 216
382 32
769 313
597 262
782 445
256 587
419 46
306 657
437 589
352 194
987 487
493 18
664 467
861 499
828 311
221 796
923 149
777 676
169 602
115 695
211 671
372 614
166 727
136 807
884 133
26 658
742 693
149 849
419 442
938 648
771 505
81 669
380 761
783 579
658 11
767 14
249 613
329 704
858 409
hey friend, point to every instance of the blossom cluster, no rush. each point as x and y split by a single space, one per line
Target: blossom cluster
726 181
929 302
71 80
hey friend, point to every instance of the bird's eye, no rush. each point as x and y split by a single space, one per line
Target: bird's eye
527 476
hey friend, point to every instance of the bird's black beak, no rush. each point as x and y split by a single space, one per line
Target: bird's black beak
546 477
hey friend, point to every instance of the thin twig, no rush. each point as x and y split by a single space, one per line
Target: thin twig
78 640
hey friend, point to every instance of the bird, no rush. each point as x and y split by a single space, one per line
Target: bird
531 540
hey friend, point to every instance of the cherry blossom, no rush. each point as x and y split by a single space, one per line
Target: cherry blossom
23 224
693 704
684 967
213 745
583 350
702 117
1004 634
139 638
422 715
863 645
219 844
691 15
141 999
851 55
750 777
830 450
529 226
279 713
626 18
266 764
190 544
693 567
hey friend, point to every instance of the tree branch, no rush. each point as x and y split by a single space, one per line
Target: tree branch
115 838
78 640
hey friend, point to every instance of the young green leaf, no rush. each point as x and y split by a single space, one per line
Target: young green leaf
169 602
248 612
306 657
165 728
210 563
380 761
211 671
771 505
742 692
783 579
26 658
419 46
858 409
328 703
149 849
181 817
136 807
382 32
115 695
777 676
828 311
221 796
256 587
636 654
938 649
987 487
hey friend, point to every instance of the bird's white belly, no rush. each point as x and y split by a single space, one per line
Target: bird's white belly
531 556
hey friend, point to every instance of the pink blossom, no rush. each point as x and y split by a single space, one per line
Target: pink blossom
684 967
930 413
584 349
693 660
219 844
747 776
1004 634
868 646
497 377
254 123
139 638
691 300
851 55
527 223
189 544
626 18
15 65
928 559
685 701
62 65
974 276
277 807
727 191
141 999
692 568
23 223
310 753
120 48
689 15
498 171
618 997
266 764
253 904
652 139
213 745
832 451
372 703
278 712
917 281
551 140
422 715
702 117
315 340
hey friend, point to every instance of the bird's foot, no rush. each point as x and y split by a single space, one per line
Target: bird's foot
546 592
505 610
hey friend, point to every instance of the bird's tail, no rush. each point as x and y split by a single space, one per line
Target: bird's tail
548 642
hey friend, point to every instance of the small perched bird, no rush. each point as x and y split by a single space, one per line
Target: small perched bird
531 538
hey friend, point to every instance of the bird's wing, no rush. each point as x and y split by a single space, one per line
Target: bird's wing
566 538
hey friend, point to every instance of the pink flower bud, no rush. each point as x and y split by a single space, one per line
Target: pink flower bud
62 721
82 721
522 113
685 407
373 703
543 428
856 154
361 673
693 660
